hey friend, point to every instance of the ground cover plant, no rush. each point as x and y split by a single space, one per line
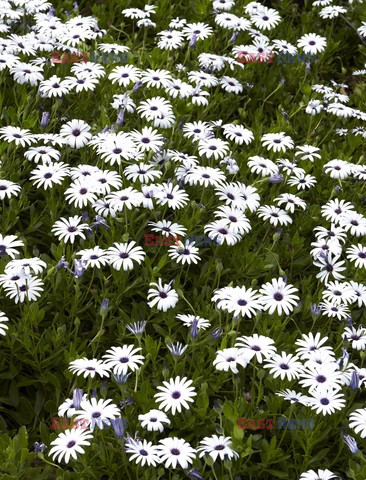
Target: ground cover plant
182 243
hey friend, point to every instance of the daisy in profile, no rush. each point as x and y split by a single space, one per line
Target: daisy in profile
170 39
278 296
357 337
213 147
95 257
307 152
197 31
330 309
275 215
319 475
238 300
67 407
17 135
262 166
229 359
69 229
184 253
175 394
89 367
206 176
26 73
357 421
8 189
122 359
147 139
354 223
338 169
335 232
332 11
171 195
338 293
325 246
217 447
154 420
330 266
123 255
302 181
325 376
238 133
359 291
188 320
292 396
278 142
3 326
166 227
312 43
314 107
76 133
54 87
163 296
143 172
176 452
284 366
69 444
231 85
257 346
26 288
290 202
43 154
326 400
156 78
333 209
220 232
310 344
9 245
97 412
143 452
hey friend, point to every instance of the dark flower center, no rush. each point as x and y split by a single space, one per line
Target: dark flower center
124 359
278 296
284 366
123 255
242 303
72 229
83 191
175 451
163 295
321 379
71 444
96 414
143 453
324 401
76 132
220 447
176 395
